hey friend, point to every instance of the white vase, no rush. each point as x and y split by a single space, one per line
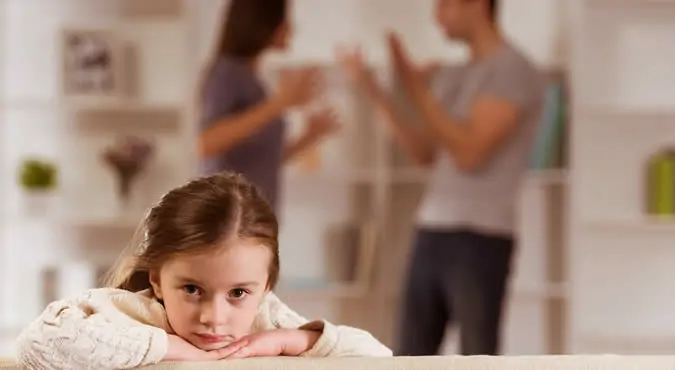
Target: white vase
38 203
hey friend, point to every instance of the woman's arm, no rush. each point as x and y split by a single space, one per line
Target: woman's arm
74 335
228 131
416 141
228 119
333 340
319 125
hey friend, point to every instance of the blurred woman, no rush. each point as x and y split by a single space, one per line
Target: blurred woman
242 126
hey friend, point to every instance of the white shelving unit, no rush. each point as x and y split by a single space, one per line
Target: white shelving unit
620 259
86 224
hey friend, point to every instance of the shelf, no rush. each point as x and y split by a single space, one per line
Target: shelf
640 224
622 112
311 289
112 222
151 8
420 175
537 291
80 221
317 289
92 105
629 4
619 341
338 176
548 177
415 175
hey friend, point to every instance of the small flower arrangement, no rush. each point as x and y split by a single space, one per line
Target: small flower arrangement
128 157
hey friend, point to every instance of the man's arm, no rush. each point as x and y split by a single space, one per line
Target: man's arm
471 144
416 141
493 117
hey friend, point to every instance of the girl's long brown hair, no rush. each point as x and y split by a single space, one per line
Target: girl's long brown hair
199 217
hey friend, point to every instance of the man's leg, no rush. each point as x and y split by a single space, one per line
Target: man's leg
424 311
477 284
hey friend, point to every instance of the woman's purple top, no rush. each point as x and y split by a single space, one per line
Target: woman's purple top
232 88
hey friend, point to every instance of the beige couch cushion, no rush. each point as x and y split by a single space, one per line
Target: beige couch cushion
600 362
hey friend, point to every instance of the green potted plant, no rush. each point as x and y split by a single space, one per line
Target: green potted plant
38 179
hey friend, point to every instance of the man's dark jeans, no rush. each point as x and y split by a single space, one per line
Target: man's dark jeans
458 277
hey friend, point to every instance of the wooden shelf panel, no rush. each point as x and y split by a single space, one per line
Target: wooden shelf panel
626 113
548 177
539 290
151 8
91 105
627 344
327 177
647 224
311 290
421 175
78 220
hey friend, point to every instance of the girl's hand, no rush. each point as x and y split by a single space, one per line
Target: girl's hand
280 342
182 350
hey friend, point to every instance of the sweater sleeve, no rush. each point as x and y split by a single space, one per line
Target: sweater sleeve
74 335
335 340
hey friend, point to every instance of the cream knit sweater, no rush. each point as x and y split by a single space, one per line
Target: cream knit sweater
118 329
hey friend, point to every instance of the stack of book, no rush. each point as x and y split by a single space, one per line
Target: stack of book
550 149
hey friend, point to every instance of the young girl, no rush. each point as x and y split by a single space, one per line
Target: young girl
197 288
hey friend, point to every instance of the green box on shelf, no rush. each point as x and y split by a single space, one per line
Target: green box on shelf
660 183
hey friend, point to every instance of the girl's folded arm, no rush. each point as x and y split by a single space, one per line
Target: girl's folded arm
335 340
70 335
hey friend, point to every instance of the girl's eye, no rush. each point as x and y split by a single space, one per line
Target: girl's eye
238 293
191 289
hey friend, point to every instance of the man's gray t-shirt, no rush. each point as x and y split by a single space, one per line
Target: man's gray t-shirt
484 200
232 88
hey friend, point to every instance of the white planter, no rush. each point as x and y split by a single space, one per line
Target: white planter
38 203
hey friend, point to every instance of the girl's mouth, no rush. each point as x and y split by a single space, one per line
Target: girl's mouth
212 338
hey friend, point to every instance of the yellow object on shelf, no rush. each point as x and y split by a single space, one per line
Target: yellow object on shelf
661 184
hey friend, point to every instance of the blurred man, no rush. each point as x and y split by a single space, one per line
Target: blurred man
475 136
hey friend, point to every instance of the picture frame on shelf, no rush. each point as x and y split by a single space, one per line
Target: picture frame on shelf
92 64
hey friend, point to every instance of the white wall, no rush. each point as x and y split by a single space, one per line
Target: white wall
535 25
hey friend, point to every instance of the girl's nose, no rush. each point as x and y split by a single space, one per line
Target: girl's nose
214 313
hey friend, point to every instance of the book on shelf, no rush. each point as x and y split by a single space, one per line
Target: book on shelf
550 145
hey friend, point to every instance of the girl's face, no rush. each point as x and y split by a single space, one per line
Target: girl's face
212 299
